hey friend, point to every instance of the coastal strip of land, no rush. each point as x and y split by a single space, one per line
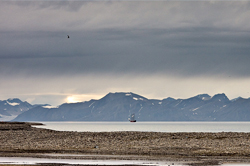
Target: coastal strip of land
21 139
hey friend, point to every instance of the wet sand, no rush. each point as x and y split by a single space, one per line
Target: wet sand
21 139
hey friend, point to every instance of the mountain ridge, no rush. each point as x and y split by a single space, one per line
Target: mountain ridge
120 105
12 107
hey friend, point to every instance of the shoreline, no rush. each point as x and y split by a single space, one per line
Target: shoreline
20 139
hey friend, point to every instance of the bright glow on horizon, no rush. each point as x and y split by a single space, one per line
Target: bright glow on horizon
72 99
81 98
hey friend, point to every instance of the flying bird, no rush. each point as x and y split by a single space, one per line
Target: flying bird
68 36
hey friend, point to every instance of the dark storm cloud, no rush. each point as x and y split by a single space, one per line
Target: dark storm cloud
147 47
102 43
183 52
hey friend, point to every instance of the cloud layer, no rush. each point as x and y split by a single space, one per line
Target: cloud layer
120 45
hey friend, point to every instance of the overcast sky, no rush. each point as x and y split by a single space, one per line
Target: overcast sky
157 49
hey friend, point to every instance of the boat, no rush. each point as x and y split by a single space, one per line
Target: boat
132 118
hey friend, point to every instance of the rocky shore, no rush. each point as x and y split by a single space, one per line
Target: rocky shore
21 139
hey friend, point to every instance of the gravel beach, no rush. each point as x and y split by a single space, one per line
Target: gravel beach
21 139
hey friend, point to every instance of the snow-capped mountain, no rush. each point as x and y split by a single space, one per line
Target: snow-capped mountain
119 107
11 108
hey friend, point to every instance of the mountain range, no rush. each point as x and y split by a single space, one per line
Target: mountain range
11 108
119 107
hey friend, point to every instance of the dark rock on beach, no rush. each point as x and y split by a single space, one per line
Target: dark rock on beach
21 139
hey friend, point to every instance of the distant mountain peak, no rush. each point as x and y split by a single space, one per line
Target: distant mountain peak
238 98
124 94
135 96
203 96
169 99
14 100
220 97
10 108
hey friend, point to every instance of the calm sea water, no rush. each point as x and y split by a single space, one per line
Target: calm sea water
149 126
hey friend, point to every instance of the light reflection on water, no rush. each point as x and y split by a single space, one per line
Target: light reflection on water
33 161
29 160
149 126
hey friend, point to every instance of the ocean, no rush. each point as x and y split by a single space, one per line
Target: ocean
148 126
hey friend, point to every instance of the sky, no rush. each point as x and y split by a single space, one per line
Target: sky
154 48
